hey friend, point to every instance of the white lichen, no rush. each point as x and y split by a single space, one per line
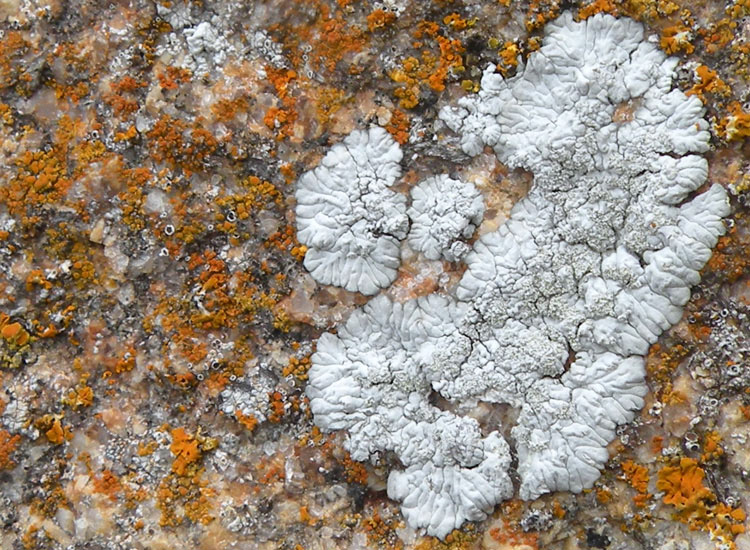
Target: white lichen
444 211
373 379
559 306
348 217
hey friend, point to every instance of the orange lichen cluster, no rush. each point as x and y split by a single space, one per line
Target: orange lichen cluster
676 39
181 498
13 47
41 178
281 118
107 483
683 487
225 110
186 451
708 82
429 70
730 259
661 363
328 101
712 449
382 532
53 429
398 126
174 143
13 334
511 533
172 77
598 6
540 12
736 125
248 420
276 407
463 539
8 445
122 96
637 477
330 37
81 396
379 19
297 367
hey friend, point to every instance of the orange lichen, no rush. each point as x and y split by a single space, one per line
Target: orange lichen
379 19
696 504
297 367
226 110
248 420
508 57
330 37
41 178
511 533
708 83
8 444
185 449
676 39
598 6
736 125
173 77
82 396
13 334
398 126
382 532
53 429
281 118
541 11
276 406
682 484
712 449
173 143
107 484
327 102
429 70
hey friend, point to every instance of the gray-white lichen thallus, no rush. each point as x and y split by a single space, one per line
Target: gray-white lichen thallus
348 217
559 306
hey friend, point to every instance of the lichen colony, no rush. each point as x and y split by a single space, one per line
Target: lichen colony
558 307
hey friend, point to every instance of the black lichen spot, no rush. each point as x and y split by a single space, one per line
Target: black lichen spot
596 540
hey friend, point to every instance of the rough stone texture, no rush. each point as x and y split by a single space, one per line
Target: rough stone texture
160 320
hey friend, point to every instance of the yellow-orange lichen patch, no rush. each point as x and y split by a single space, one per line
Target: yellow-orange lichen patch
429 70
708 82
736 125
379 19
330 37
41 178
598 6
637 477
381 532
8 445
107 484
682 484
398 126
248 420
185 449
683 487
676 39
12 333
53 429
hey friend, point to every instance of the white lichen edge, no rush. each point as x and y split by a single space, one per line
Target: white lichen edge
444 211
559 306
348 218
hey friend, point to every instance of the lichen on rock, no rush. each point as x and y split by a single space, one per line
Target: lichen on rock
444 211
558 306
349 218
